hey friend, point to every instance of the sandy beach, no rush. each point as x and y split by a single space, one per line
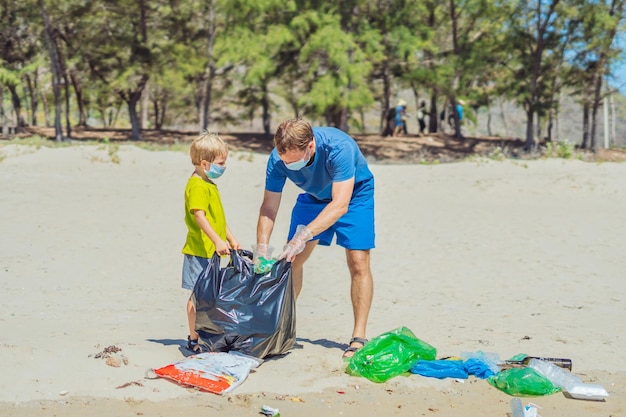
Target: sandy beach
495 256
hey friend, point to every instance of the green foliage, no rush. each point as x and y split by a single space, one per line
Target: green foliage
497 153
563 149
337 69
326 60
8 76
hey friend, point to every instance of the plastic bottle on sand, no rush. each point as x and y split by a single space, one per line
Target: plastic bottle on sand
517 407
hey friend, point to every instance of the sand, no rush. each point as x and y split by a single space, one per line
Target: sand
505 257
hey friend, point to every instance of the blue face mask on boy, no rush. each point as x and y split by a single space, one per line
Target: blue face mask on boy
215 171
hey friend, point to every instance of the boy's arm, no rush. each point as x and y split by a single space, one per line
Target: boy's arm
221 247
231 239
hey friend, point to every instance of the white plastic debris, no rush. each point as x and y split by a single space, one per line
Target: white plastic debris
269 411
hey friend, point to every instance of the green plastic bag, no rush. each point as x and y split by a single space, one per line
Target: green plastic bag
523 382
390 354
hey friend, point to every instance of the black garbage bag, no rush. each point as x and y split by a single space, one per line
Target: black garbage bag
238 309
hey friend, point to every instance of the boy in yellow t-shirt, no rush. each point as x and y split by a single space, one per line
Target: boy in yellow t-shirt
207 231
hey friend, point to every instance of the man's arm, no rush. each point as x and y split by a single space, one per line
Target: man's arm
267 216
341 196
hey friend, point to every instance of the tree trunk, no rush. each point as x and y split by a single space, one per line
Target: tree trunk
343 120
557 121
17 108
56 70
585 142
538 128
46 107
531 144
534 88
157 113
132 98
595 104
612 119
134 118
362 116
616 11
593 145
265 104
433 118
504 121
103 116
80 101
416 97
145 100
102 109
209 72
3 115
32 86
489 120
114 114
549 127
457 121
207 96
68 124
384 125
163 111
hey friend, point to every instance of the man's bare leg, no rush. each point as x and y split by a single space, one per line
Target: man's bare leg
297 270
361 291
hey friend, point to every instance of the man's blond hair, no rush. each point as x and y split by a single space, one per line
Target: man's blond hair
207 146
293 134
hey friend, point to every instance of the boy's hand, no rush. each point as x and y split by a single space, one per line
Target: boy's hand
234 244
222 248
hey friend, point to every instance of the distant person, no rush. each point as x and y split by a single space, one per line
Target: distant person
459 110
421 116
207 231
459 113
400 119
338 202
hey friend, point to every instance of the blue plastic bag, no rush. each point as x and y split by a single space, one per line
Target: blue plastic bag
440 369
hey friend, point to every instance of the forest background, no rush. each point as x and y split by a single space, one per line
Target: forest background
539 70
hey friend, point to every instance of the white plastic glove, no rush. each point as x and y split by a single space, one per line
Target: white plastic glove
296 244
262 257
262 250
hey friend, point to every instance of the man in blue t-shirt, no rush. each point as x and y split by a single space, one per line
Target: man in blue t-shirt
338 201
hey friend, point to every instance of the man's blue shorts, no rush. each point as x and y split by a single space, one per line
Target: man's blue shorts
354 230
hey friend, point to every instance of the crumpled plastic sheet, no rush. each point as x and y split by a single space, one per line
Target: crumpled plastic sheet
216 372
440 369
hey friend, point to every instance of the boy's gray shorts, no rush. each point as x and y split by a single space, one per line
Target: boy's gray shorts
192 268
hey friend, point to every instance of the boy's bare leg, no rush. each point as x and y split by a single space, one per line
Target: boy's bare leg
191 317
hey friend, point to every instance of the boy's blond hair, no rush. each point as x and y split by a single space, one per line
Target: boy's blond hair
207 146
293 134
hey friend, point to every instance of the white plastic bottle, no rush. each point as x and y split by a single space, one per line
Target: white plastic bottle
569 382
517 408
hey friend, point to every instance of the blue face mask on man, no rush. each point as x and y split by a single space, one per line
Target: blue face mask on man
298 165
215 171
